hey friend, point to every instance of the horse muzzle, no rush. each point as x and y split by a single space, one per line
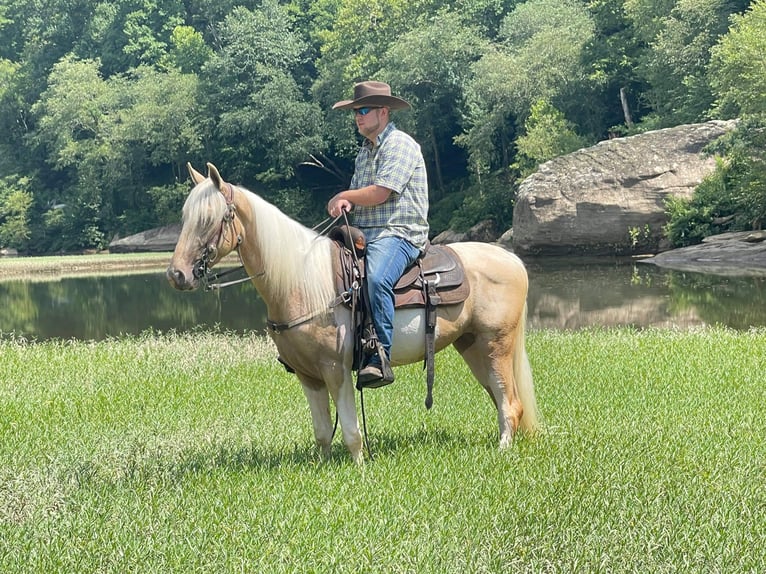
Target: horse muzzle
183 281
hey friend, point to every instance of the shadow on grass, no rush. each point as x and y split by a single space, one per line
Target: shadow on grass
162 465
387 443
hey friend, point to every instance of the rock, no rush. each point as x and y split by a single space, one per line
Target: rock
485 231
506 239
725 254
157 239
610 198
449 236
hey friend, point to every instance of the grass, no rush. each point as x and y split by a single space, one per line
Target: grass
193 453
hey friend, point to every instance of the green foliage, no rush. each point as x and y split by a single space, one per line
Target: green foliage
188 50
737 65
15 203
442 211
490 197
265 126
540 58
102 103
548 134
430 65
733 198
167 202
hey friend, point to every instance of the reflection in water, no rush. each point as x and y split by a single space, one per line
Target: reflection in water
567 295
562 295
100 307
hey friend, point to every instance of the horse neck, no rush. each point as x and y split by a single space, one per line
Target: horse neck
291 264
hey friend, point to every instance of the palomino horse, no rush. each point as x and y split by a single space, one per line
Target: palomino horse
291 267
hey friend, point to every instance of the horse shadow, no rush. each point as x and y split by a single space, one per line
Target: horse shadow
147 465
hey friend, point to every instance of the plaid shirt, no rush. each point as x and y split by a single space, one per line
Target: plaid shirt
396 163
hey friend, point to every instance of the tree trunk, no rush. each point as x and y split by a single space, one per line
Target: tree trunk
625 108
439 178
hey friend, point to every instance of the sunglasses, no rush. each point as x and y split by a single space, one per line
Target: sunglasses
366 110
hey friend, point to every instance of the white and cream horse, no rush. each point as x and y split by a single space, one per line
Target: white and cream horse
291 267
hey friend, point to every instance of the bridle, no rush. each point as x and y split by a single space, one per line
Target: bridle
230 226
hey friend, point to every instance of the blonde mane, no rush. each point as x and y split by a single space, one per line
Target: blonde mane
296 260
294 256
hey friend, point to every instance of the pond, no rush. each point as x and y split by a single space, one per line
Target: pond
568 294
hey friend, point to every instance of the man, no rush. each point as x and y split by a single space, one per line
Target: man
389 198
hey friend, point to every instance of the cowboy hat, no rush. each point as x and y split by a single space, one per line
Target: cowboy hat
372 94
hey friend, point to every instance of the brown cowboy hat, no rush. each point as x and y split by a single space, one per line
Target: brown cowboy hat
372 94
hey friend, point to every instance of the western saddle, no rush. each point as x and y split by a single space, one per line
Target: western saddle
436 278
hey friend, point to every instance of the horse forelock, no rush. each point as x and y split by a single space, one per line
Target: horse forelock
294 257
203 211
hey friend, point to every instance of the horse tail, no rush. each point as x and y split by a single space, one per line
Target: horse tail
522 373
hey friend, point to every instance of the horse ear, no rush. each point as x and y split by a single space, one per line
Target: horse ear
196 176
212 173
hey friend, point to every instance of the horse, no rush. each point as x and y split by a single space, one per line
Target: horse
291 267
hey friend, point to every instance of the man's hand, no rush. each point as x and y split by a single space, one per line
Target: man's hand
338 205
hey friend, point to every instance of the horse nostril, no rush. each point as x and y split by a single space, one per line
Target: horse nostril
175 276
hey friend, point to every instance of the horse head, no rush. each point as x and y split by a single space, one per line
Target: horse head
210 229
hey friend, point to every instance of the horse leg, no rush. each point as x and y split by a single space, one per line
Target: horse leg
318 397
491 362
319 405
345 403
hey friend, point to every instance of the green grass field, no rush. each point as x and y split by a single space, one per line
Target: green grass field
194 453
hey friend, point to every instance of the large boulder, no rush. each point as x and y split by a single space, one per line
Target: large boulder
610 198
157 239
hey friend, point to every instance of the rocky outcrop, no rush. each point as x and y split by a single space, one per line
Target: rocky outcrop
610 198
738 253
158 239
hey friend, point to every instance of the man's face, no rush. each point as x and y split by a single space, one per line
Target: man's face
369 121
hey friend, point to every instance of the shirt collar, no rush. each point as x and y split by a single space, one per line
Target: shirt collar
381 136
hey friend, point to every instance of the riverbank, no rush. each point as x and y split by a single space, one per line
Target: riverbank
32 268
74 265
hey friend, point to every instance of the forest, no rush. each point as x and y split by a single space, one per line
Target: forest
103 103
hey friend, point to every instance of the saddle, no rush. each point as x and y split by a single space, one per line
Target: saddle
436 278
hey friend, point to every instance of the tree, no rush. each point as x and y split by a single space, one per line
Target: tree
540 58
15 203
675 65
430 66
107 137
351 51
547 134
734 197
260 120
188 52
737 66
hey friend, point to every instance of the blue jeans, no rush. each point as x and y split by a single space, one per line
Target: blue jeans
386 260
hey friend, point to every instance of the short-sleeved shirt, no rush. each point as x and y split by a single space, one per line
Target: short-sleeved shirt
396 163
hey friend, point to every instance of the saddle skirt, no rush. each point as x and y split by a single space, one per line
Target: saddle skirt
436 278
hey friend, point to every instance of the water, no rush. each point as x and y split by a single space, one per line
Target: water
563 295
